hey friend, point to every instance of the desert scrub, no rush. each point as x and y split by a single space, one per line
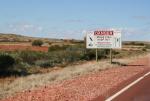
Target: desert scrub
44 63
57 56
57 48
37 43
6 61
31 56
147 46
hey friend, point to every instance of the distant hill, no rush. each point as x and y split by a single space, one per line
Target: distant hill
4 37
7 37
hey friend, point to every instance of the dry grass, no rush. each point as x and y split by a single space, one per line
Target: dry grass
36 80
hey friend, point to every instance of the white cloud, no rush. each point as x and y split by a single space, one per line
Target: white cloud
40 28
67 34
28 29
24 28
141 34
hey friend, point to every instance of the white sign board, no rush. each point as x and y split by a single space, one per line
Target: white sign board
90 40
104 39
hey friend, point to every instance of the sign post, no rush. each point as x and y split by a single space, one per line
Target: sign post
111 56
96 56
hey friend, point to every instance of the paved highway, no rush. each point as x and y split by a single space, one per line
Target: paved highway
137 92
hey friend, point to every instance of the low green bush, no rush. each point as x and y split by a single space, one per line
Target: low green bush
37 43
21 68
147 46
57 48
143 49
31 56
6 61
44 63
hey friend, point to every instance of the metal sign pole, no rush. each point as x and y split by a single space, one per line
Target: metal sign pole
96 55
111 56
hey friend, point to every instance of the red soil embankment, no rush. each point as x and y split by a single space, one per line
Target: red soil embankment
22 47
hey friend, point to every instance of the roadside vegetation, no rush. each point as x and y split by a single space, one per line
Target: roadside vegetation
25 62
21 62
60 62
37 43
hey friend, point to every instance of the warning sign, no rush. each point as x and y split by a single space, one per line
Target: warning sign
103 39
90 40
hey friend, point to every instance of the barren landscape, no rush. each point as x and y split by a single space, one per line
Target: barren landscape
74 50
60 70
85 87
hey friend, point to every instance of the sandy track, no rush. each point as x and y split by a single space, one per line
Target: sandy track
87 87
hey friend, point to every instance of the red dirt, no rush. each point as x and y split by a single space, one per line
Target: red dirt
22 47
87 87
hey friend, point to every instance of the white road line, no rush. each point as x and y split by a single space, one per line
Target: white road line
127 87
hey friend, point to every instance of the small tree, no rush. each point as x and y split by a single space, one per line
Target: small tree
37 43
6 61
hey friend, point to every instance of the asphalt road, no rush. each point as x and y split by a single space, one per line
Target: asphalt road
138 92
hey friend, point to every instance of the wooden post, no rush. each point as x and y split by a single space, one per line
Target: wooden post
111 56
96 55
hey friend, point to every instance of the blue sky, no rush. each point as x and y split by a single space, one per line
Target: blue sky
69 18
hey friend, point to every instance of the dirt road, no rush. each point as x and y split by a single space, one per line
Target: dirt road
95 86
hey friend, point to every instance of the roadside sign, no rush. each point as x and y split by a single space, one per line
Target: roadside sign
110 38
90 40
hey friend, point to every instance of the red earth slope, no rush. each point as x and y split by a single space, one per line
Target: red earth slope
22 47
